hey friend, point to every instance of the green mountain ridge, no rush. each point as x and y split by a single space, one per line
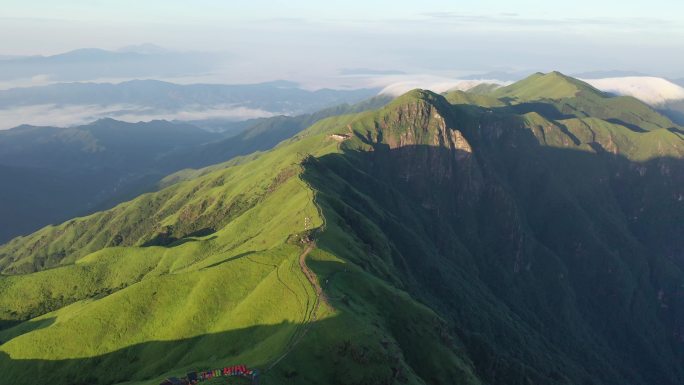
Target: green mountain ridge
553 85
557 96
454 243
73 171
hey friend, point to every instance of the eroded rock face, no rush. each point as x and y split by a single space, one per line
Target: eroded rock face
418 145
421 123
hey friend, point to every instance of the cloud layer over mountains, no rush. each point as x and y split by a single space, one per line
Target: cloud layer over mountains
70 115
398 85
652 90
68 104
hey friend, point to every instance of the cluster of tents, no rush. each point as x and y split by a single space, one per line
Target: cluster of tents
196 377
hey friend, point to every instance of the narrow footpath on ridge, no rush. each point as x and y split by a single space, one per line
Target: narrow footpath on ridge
308 322
312 316
311 276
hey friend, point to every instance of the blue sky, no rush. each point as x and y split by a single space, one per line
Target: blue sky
314 37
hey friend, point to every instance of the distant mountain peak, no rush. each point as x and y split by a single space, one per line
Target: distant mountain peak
281 84
369 71
501 76
551 85
106 121
83 52
418 93
145 49
422 96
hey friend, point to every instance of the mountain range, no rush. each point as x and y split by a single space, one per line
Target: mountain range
527 234
51 174
505 76
144 100
662 94
94 63
55 173
277 96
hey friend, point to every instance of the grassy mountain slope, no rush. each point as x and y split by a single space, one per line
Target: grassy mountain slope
264 134
483 88
122 306
556 96
454 244
473 98
552 85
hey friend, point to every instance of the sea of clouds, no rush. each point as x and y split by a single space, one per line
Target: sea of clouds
652 90
71 115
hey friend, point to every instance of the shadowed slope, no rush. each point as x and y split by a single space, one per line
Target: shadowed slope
545 271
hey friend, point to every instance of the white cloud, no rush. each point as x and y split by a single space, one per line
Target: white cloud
400 84
231 112
37 80
651 90
71 115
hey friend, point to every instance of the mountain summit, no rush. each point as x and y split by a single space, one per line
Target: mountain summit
553 85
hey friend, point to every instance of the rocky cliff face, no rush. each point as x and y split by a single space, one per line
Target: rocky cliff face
417 143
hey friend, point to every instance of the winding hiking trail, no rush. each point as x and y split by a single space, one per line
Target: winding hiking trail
303 329
311 276
311 316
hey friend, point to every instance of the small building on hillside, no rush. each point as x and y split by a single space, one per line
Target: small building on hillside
339 137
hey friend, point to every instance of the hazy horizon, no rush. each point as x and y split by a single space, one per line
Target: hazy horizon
389 46
315 44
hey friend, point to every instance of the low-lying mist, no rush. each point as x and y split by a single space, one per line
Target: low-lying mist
72 115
